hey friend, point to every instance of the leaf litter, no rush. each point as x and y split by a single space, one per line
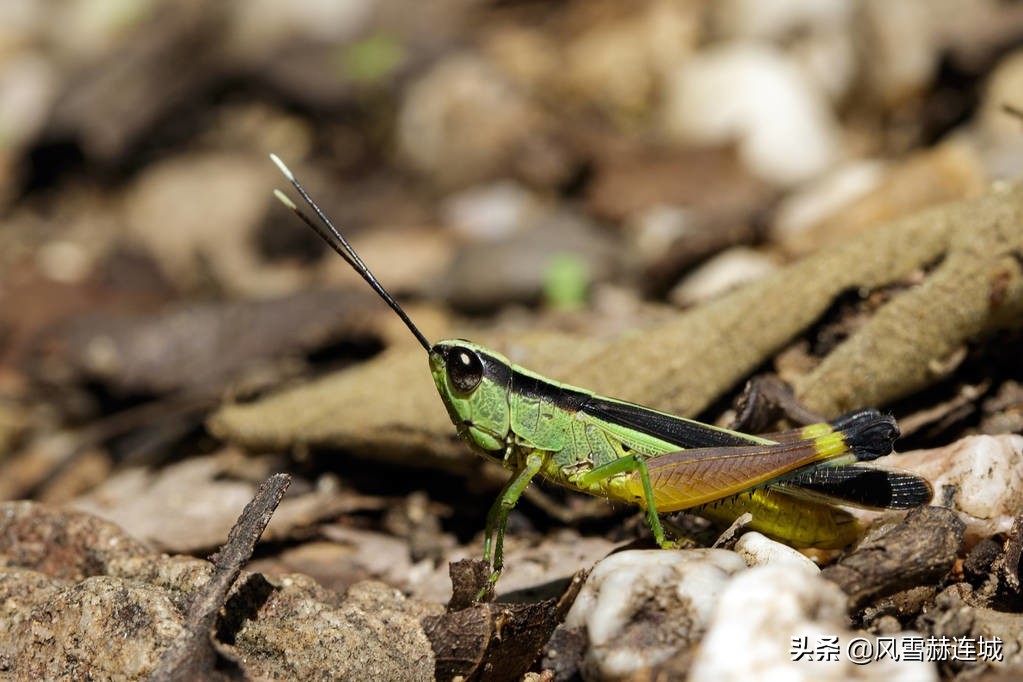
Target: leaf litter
157 361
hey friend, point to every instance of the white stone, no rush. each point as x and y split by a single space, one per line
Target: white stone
28 86
776 19
759 550
829 58
264 24
986 473
994 132
722 273
760 98
818 34
680 587
759 614
1004 87
653 230
824 197
903 48
490 212
64 261
462 120
617 64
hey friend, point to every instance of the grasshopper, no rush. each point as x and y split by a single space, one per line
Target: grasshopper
622 451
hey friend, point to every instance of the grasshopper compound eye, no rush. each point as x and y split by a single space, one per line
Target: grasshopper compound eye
465 369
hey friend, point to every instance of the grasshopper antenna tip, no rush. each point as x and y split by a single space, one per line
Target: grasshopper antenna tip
284 169
337 241
283 198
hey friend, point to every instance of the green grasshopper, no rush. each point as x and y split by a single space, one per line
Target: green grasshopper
610 448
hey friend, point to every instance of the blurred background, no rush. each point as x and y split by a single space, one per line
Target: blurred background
588 165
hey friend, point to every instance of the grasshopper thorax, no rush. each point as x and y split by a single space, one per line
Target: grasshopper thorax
474 382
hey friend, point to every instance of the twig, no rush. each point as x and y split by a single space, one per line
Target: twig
193 656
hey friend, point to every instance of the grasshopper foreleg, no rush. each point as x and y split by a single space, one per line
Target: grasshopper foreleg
497 517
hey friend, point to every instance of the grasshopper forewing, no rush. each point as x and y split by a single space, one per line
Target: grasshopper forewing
622 451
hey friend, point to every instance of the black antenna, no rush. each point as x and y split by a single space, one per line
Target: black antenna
337 241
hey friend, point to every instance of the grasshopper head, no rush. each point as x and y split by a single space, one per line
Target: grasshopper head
473 383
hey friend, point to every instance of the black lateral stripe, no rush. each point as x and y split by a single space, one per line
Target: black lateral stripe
532 387
495 370
675 430
560 396
864 486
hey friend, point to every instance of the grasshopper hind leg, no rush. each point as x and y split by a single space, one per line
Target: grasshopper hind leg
653 519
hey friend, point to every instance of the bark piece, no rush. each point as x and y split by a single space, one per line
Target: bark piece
920 549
